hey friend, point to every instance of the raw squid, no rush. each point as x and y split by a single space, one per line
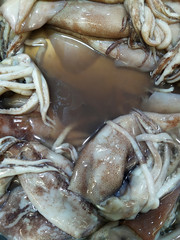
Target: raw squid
151 29
24 221
44 176
129 169
104 161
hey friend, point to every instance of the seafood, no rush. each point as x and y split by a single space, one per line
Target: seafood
10 43
24 212
156 173
18 67
168 64
153 24
162 102
140 228
44 176
129 168
105 158
23 16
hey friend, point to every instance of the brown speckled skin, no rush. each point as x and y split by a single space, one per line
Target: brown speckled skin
68 211
31 225
88 179
28 126
92 19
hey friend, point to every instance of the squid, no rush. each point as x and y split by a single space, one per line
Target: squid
162 102
22 17
24 212
35 86
147 226
143 148
44 176
129 165
147 28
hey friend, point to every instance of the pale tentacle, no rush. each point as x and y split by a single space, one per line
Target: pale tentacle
145 125
60 139
67 148
170 183
42 45
42 93
7 142
15 161
149 30
11 73
58 160
152 200
162 11
160 168
12 70
16 45
168 68
160 137
155 159
17 168
10 43
155 32
164 170
167 38
60 147
20 88
136 11
28 107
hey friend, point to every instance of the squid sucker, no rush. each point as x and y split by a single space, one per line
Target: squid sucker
62 180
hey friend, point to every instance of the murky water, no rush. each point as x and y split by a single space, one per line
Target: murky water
86 87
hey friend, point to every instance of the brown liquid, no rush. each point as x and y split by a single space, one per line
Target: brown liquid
85 86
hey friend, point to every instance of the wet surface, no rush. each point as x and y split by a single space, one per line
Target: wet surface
86 87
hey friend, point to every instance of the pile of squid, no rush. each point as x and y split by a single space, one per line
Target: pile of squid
124 181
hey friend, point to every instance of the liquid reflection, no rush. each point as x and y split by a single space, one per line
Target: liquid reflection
86 87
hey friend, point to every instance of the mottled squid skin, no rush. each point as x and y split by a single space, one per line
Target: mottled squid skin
26 16
60 206
102 162
101 165
48 191
20 220
102 24
93 19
